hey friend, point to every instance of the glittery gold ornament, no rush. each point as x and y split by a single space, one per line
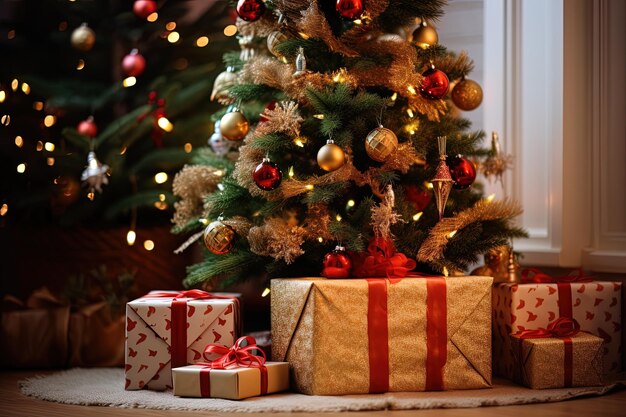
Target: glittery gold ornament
380 143
234 125
330 156
467 94
83 38
500 263
442 182
274 39
425 36
222 83
219 237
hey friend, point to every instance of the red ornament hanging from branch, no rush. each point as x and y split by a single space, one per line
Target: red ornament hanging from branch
349 9
144 8
133 64
267 175
88 127
463 172
250 10
434 84
337 264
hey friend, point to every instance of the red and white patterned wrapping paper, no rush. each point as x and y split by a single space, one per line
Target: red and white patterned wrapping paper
148 332
596 305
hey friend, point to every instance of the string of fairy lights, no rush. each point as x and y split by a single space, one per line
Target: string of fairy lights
170 34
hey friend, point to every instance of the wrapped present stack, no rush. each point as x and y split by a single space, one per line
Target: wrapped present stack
540 300
168 329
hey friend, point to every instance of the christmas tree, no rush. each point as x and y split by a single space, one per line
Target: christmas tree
339 131
113 95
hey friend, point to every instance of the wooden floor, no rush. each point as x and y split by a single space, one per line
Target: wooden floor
13 403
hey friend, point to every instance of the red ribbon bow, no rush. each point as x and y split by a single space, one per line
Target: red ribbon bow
240 354
561 327
382 260
534 275
194 294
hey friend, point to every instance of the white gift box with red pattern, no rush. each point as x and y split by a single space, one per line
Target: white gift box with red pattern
595 305
166 329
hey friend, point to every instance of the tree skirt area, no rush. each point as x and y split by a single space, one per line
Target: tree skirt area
105 387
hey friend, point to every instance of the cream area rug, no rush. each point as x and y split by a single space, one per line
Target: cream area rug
105 386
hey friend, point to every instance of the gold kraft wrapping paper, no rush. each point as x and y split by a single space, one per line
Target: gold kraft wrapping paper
543 361
320 327
232 384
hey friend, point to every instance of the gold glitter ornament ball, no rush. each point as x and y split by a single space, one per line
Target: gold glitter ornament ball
330 157
219 237
83 38
467 95
425 36
234 126
222 83
380 143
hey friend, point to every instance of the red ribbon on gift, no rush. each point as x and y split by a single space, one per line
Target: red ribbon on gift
239 355
179 318
563 328
382 260
534 275
378 333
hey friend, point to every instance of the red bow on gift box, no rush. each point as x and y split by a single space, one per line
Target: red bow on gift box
534 275
240 354
382 260
561 327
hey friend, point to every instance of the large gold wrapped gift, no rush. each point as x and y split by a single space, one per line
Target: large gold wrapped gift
356 336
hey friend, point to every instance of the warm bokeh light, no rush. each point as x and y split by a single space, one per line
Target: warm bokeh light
4 209
49 146
417 216
11 34
188 147
290 172
50 161
230 30
451 234
490 197
3 96
170 25
38 105
152 17
19 141
173 37
202 41
160 177
129 82
165 124
25 88
15 84
338 217
411 89
148 245
49 120
5 119
21 168
131 236
80 64
265 292
39 146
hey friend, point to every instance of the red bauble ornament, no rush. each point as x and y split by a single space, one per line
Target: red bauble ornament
270 106
144 8
463 172
434 84
418 196
349 9
250 10
88 127
337 264
133 64
267 175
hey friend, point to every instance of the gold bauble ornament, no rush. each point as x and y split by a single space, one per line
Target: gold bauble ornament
380 143
500 263
222 83
219 237
425 36
467 95
330 156
83 38
234 125
275 38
